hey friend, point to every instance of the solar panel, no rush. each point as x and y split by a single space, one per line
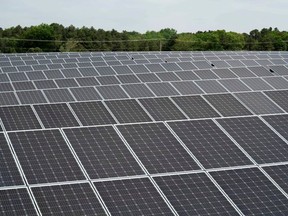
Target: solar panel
242 72
6 87
224 73
205 74
112 92
19 118
194 194
85 94
31 97
102 152
8 98
195 107
252 192
16 202
279 123
227 105
162 89
187 88
45 84
45 157
187 75
157 148
132 197
162 109
55 115
258 103
137 90
62 83
92 113
108 80
209 144
279 174
257 84
77 199
234 85
211 86
277 82
267 146
128 111
279 97
58 95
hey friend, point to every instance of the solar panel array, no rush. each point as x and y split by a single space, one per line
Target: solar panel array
144 133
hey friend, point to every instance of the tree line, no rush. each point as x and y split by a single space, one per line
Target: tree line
57 38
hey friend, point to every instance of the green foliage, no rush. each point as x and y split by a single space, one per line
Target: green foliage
55 37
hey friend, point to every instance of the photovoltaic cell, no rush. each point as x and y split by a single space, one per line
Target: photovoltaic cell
148 77
227 105
87 81
242 72
102 152
132 197
157 148
167 76
55 115
195 107
224 73
139 69
71 199
127 111
209 144
19 118
259 141
155 67
4 87
108 80
187 87
129 78
64 83
16 202
258 103
9 174
92 113
252 192
194 194
279 97
45 84
105 71
45 157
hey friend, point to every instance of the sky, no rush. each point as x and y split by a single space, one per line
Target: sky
148 15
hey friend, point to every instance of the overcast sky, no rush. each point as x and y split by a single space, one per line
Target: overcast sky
143 15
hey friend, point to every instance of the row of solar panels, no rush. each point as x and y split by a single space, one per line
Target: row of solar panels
142 152
91 77
142 110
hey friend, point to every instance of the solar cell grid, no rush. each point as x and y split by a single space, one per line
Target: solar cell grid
267 147
279 97
258 103
19 118
45 157
162 109
194 194
279 174
252 192
209 144
31 97
58 95
195 107
92 113
128 111
9 171
16 202
102 152
257 84
162 89
137 90
55 115
132 197
157 148
71 199
211 86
